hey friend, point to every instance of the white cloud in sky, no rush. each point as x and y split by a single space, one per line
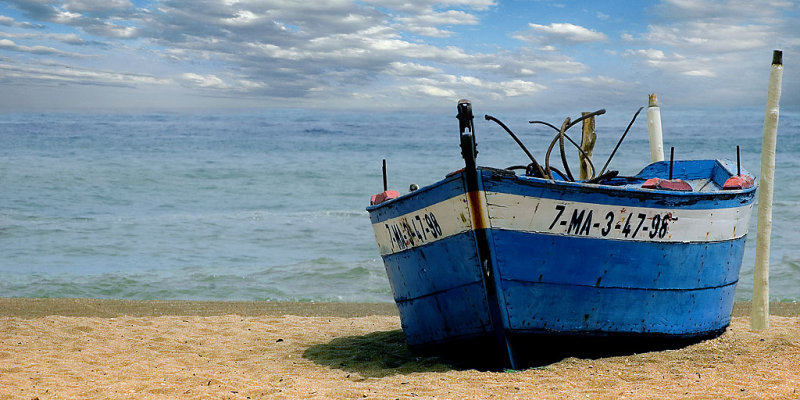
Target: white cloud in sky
281 52
673 63
427 24
421 6
566 32
722 9
9 45
704 36
8 21
596 81
96 5
204 81
717 50
53 73
398 68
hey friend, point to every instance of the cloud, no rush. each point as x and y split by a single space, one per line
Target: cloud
299 49
453 86
98 17
431 90
8 45
719 10
398 68
95 6
600 81
110 30
426 24
54 73
305 58
724 39
673 63
704 36
422 6
204 81
65 38
42 11
8 21
52 11
292 52
561 33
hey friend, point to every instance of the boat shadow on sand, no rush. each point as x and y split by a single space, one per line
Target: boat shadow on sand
385 353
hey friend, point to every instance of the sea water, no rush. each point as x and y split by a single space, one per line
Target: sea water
269 204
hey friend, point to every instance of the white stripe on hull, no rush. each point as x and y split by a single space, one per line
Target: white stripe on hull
426 225
558 217
602 221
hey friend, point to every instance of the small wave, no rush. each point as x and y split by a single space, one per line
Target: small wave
317 279
337 213
793 264
228 287
321 131
313 214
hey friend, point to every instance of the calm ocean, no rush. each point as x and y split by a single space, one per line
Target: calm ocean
269 205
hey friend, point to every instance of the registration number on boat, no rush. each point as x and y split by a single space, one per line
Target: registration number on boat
631 225
413 230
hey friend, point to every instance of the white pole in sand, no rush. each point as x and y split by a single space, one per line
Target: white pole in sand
759 318
654 130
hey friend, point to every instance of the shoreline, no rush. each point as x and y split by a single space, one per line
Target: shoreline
107 308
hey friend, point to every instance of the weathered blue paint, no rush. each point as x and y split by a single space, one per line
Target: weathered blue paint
564 310
680 289
562 260
541 283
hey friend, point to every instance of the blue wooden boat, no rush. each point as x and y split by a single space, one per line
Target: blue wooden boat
491 253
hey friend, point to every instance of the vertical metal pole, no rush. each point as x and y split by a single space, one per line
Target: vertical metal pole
738 162
671 159
385 186
759 318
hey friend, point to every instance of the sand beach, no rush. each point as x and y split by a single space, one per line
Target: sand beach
87 349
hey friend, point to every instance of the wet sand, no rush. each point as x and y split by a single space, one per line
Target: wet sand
81 348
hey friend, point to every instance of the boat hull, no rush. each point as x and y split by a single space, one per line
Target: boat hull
563 258
437 280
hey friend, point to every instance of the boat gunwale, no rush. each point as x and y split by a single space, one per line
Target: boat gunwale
665 196
599 187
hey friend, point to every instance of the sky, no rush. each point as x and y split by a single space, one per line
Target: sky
392 54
